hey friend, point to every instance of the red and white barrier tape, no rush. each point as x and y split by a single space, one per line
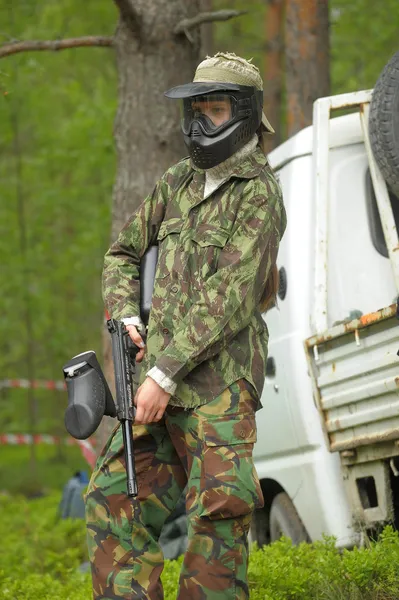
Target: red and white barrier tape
22 439
35 384
25 439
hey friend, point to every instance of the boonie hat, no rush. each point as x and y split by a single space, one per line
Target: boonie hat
227 67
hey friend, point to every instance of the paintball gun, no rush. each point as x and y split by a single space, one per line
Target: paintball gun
89 397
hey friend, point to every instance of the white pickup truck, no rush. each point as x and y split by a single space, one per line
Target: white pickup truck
327 452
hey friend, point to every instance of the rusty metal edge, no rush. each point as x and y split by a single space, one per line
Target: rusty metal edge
352 326
364 440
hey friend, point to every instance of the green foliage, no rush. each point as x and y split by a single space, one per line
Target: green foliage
321 572
243 35
39 587
41 542
54 465
40 556
364 36
40 553
57 168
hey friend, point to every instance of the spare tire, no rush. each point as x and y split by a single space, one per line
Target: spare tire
384 123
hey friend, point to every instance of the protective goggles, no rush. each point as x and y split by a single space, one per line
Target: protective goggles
216 106
212 111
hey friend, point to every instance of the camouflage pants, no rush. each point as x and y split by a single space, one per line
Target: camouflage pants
210 449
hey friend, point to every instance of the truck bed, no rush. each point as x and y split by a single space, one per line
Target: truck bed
355 375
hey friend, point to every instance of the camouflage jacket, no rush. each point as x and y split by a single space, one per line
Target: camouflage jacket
205 330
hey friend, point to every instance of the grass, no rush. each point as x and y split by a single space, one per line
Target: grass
40 556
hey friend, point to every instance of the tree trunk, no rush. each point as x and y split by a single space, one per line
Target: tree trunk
150 59
307 59
273 68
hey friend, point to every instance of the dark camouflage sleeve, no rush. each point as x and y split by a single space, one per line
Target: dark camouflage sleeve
121 273
230 297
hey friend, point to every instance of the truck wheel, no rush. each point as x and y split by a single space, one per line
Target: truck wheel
384 123
259 531
284 520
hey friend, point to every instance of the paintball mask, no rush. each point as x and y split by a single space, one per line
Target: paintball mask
217 119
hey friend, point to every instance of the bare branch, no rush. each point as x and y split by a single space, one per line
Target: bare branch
207 17
55 45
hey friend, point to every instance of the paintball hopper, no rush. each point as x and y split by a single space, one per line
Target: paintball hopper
89 397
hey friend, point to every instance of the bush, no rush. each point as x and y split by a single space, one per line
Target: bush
40 556
319 571
36 540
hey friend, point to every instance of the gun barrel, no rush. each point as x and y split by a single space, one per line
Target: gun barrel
129 457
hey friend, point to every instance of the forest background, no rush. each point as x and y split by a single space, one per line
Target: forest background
57 170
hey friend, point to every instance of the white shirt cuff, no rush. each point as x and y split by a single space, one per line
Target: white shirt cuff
136 321
163 380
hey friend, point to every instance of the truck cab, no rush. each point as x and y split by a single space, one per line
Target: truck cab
327 453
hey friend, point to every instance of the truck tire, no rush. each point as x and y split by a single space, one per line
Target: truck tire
284 520
259 531
384 123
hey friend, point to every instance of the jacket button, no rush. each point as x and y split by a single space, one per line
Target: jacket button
175 289
165 330
242 433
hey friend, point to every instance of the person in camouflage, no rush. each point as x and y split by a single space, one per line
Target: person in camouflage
218 218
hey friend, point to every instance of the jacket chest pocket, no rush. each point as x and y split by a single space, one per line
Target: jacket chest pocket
208 242
170 249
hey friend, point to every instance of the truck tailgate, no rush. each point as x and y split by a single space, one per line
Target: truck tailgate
355 375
